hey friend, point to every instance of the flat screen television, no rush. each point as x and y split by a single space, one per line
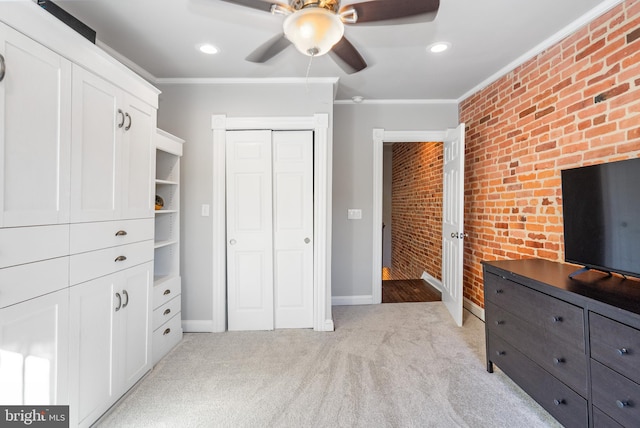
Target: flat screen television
601 211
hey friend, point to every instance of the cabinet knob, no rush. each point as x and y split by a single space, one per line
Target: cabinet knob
307 240
622 404
623 351
167 331
499 322
557 361
558 402
121 233
167 291
166 312
556 319
499 291
120 258
232 242
500 353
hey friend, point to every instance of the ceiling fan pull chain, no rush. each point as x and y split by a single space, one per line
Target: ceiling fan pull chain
306 82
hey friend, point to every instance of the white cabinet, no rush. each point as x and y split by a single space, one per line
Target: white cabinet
110 340
35 121
111 151
33 350
167 328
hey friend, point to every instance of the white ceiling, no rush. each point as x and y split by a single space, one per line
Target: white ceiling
486 36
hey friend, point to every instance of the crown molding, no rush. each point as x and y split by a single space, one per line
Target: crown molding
395 102
557 37
245 80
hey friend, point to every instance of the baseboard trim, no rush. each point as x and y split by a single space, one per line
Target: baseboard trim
197 326
474 309
351 300
328 326
435 282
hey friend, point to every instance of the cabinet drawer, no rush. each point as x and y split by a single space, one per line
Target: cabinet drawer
615 395
560 359
165 312
24 282
569 408
94 264
559 318
98 235
601 420
165 289
166 337
21 245
615 345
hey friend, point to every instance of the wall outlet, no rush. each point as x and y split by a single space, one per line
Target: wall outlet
354 214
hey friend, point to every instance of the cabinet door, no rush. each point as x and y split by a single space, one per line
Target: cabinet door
134 325
34 351
95 148
35 122
137 159
93 309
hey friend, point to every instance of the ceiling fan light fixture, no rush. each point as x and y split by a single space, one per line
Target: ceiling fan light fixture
313 30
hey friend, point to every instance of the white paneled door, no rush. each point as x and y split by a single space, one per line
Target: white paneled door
269 229
452 222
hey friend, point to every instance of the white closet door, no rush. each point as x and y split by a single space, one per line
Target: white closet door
249 230
293 228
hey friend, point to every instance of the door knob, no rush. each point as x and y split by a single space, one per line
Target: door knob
307 240
232 242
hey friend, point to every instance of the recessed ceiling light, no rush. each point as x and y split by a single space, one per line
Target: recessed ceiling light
439 47
207 48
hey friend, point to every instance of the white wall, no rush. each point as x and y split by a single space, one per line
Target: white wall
352 259
185 111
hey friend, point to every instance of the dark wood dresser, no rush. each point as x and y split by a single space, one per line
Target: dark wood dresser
571 344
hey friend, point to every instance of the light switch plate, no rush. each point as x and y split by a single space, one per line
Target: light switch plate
354 214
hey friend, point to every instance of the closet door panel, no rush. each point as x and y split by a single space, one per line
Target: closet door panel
249 231
293 228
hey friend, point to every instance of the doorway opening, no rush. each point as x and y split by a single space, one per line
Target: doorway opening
412 198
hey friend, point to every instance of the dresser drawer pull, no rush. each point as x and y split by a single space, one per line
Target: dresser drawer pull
622 404
556 319
500 353
121 233
166 312
623 351
559 402
120 258
167 331
167 291
500 322
557 361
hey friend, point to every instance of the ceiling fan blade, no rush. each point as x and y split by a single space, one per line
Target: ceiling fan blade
269 49
347 56
394 11
264 5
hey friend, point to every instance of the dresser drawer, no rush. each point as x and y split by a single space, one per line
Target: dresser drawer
601 420
166 337
559 318
615 395
165 312
98 235
98 263
24 282
560 359
569 408
19 245
165 290
616 345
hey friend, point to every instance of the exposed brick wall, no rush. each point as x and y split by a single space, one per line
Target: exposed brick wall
543 117
416 210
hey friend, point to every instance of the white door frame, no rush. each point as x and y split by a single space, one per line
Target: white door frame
381 136
322 167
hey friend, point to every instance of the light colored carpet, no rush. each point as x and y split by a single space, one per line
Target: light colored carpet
391 365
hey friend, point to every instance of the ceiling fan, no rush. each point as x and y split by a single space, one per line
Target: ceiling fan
316 27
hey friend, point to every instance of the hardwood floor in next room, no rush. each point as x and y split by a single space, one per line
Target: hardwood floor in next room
409 290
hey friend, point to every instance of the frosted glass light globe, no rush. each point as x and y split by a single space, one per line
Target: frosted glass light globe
313 30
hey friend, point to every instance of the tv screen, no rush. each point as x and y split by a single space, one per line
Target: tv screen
601 211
